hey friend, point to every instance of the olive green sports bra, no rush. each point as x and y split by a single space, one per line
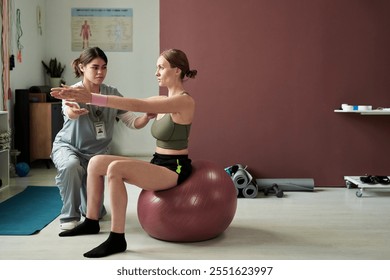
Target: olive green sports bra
170 135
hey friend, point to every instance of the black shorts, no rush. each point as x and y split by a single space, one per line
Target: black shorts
180 164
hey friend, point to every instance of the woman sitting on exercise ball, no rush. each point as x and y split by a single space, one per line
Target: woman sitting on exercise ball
170 164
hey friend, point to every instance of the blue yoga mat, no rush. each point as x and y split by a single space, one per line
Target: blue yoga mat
30 211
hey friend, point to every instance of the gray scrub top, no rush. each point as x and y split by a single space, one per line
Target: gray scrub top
80 134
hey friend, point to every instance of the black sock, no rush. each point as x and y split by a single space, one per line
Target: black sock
87 227
115 243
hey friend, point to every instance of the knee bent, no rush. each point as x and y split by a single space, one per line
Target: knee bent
93 163
70 166
112 169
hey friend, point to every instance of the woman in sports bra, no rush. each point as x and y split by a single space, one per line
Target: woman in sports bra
170 164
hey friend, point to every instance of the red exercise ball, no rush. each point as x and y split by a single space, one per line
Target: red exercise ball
200 208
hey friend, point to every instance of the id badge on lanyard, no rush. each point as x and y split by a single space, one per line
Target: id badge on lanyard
100 130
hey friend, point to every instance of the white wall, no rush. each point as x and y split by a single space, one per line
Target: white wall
132 72
29 71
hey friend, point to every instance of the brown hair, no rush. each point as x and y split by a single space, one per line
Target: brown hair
86 56
178 58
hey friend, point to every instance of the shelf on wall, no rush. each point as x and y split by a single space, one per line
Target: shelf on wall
366 112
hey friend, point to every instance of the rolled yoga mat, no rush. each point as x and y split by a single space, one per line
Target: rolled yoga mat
293 184
250 191
241 179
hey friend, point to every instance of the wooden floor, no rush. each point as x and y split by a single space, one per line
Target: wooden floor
327 224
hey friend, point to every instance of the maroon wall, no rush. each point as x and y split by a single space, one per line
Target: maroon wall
272 72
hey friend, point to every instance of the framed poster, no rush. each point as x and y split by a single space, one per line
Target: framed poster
110 29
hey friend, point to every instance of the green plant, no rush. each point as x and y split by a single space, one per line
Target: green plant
54 68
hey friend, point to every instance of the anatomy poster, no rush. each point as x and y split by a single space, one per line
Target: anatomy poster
110 29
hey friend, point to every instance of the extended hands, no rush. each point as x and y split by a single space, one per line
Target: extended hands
75 110
76 94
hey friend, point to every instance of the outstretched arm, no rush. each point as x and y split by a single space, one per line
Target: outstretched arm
175 104
162 104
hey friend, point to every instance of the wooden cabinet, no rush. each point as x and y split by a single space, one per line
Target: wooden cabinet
45 122
4 151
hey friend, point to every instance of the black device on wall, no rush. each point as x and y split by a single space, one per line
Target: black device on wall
22 124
